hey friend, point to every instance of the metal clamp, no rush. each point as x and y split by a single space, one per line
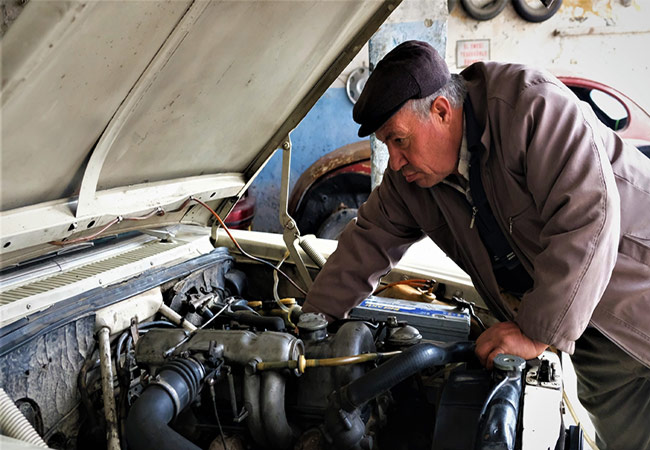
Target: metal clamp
171 391
544 375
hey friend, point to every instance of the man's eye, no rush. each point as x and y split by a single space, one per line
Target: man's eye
399 141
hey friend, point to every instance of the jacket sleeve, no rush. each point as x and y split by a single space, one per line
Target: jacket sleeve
572 184
367 249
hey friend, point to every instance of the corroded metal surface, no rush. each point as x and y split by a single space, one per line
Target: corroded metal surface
45 371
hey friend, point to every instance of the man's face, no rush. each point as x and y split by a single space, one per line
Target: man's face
424 151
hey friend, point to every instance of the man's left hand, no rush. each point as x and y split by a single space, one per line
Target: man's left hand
506 337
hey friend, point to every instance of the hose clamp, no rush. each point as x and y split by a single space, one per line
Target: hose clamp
171 392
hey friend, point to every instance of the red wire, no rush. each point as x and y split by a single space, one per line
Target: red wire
161 212
254 258
118 219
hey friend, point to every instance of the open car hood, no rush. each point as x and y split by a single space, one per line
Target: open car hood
122 110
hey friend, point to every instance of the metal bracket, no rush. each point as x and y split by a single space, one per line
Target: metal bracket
545 375
165 235
134 330
290 233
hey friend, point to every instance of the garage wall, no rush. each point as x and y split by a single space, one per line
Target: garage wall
604 40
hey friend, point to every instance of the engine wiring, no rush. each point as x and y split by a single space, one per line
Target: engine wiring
161 212
190 335
276 281
576 419
429 286
158 211
254 258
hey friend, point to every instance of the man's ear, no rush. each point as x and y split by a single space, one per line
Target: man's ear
441 109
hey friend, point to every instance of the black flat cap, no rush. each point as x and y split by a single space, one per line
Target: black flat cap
411 70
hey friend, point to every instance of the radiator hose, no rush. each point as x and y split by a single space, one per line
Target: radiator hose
343 423
498 418
175 387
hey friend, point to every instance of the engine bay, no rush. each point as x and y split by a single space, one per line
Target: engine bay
219 360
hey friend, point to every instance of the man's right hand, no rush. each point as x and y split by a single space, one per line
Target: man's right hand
506 337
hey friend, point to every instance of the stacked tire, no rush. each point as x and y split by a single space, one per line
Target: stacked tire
530 10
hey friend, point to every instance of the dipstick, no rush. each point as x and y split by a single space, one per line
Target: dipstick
302 363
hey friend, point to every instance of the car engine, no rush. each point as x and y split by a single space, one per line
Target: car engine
212 365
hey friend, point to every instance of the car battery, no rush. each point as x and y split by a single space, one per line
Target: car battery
435 322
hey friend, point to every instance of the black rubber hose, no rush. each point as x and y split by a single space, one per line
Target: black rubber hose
246 316
91 362
400 367
234 308
535 14
236 281
498 429
271 323
147 424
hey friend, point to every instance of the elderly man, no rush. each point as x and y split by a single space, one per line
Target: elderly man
531 195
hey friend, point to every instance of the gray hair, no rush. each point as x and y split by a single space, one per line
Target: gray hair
455 91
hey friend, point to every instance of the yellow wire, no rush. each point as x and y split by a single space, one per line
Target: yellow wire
572 411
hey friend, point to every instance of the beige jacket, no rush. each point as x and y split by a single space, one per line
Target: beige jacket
571 197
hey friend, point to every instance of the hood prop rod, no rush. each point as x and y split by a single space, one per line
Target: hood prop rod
290 233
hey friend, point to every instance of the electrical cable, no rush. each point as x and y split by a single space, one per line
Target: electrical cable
573 413
276 281
216 414
191 334
158 211
254 258
91 362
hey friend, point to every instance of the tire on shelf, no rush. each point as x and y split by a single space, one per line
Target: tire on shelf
485 12
533 14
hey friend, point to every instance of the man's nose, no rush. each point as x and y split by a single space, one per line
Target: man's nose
395 159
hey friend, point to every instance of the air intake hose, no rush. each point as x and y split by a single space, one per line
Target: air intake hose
175 387
343 419
402 366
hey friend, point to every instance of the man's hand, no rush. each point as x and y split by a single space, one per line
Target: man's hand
506 337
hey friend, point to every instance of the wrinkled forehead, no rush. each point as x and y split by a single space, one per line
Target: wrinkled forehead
396 124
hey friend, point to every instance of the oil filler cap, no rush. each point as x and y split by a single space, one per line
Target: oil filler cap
312 327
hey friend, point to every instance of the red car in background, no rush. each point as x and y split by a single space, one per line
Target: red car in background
615 109
241 216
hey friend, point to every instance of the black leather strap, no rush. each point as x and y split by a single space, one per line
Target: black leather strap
508 270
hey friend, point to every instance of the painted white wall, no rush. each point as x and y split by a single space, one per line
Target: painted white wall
598 39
